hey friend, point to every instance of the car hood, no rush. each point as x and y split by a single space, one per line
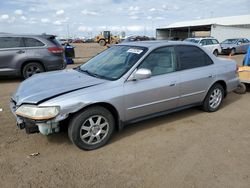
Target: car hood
225 46
44 86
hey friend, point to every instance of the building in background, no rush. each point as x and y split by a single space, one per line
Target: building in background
220 28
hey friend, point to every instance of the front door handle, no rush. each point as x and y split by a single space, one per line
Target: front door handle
172 84
20 51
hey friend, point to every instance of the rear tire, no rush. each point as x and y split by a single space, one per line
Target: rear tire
214 98
91 128
216 53
32 68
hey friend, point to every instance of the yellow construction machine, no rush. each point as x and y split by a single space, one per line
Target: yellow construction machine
106 37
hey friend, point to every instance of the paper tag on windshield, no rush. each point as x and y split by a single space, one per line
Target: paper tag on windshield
135 51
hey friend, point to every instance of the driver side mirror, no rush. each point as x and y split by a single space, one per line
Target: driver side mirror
141 74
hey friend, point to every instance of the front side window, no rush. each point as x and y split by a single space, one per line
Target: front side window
160 61
229 41
203 42
191 57
113 62
11 42
31 42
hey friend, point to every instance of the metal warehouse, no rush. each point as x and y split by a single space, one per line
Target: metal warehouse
221 28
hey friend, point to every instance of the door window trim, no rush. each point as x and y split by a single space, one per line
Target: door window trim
178 58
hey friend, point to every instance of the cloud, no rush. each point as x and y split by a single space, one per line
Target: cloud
152 9
134 17
45 20
90 13
32 9
57 22
23 18
135 28
134 8
159 18
18 12
85 29
4 17
59 12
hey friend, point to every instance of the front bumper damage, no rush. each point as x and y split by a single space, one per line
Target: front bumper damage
31 126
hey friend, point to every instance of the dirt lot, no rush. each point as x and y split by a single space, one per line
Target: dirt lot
185 149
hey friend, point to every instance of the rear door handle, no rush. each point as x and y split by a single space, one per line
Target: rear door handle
20 51
211 76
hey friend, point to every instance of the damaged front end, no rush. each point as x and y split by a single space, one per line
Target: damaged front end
35 119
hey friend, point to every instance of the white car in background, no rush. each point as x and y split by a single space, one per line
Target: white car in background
210 43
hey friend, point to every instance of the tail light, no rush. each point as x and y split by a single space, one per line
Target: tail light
55 50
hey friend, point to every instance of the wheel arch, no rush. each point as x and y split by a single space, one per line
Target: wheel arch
109 107
223 84
31 61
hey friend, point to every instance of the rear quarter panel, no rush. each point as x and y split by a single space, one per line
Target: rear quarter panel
226 70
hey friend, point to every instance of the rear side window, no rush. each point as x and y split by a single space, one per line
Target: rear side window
215 41
245 40
203 42
31 42
209 42
191 57
11 42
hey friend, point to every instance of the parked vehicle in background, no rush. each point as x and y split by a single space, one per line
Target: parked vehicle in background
106 37
26 55
78 41
235 45
211 44
136 38
124 84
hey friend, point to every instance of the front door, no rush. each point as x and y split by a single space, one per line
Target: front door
158 93
11 50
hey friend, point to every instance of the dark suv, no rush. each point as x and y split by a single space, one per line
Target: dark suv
25 55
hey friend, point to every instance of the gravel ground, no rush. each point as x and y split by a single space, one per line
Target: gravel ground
190 148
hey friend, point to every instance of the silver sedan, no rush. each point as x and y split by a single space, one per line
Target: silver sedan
124 84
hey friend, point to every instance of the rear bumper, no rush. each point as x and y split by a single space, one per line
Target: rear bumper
233 84
58 64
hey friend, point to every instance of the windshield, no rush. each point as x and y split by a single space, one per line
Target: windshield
229 41
192 40
112 63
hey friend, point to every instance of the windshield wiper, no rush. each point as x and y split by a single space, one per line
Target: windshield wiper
93 74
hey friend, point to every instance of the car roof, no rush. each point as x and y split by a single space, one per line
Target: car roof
156 43
200 38
25 35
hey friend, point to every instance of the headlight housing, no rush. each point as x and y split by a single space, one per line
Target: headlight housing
38 113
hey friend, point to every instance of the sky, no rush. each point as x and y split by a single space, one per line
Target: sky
86 18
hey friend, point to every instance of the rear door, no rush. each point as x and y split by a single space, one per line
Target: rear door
11 52
158 93
197 74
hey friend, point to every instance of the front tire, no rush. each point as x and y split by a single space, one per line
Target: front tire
214 98
91 128
102 42
233 51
